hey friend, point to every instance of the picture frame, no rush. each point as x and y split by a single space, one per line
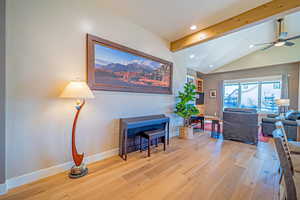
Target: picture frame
213 93
114 67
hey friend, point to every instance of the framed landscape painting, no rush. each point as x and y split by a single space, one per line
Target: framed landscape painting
114 67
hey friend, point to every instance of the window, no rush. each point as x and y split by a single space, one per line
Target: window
231 95
269 92
248 94
258 94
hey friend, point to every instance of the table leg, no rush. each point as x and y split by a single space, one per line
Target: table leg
219 129
149 144
202 123
141 143
125 144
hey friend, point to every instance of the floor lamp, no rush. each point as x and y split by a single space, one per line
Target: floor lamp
283 105
80 91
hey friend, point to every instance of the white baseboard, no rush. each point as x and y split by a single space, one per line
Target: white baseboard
43 173
3 188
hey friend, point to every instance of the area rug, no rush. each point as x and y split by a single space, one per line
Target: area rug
261 138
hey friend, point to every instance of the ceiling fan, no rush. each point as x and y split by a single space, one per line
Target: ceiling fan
282 39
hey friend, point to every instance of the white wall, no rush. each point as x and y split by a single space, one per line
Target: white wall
2 93
46 49
299 90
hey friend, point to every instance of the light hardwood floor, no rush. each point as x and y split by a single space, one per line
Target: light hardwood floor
202 168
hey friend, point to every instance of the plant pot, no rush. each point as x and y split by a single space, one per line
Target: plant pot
186 132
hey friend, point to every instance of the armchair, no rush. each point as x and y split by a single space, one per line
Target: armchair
241 125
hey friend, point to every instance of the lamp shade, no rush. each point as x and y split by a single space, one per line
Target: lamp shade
77 90
283 102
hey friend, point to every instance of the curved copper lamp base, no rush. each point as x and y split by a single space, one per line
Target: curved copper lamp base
78 171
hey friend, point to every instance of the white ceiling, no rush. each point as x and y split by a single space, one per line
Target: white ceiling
216 53
171 20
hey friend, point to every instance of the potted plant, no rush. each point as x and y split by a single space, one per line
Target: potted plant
185 108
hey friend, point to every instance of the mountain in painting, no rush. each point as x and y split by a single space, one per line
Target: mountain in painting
129 67
100 62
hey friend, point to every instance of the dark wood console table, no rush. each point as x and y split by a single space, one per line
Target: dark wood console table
130 128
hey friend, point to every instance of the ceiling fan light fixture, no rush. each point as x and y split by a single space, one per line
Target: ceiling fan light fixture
279 44
202 36
192 56
193 27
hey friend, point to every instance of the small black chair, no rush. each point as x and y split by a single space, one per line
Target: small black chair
153 134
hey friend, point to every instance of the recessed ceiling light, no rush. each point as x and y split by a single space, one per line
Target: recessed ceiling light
211 66
202 36
251 46
192 56
193 27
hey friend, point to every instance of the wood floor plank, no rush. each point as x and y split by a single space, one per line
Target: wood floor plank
201 168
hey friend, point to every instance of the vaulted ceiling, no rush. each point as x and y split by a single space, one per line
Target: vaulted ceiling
211 55
171 19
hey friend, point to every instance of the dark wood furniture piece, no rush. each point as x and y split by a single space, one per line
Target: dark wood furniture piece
150 135
195 120
214 123
131 128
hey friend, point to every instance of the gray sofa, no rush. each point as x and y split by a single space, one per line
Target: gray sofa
240 125
289 122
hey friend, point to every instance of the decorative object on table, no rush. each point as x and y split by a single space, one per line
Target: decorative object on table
80 91
283 106
114 67
185 108
213 93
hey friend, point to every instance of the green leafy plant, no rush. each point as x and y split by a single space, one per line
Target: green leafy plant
185 108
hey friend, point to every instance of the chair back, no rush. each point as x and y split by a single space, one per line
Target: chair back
285 164
236 120
282 134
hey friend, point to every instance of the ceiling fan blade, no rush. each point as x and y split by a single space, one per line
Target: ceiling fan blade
293 38
269 43
289 44
267 47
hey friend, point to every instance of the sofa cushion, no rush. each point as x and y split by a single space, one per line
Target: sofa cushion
272 115
269 120
244 110
294 116
286 116
289 123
